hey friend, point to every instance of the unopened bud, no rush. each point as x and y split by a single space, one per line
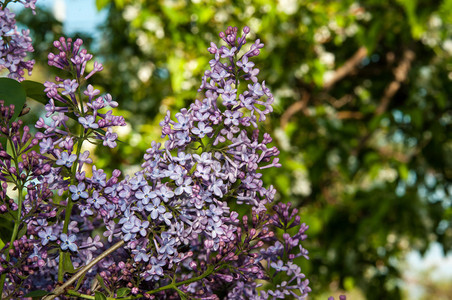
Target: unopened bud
208 244
193 265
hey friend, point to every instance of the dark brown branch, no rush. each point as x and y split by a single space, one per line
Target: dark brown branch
348 67
343 115
400 75
300 105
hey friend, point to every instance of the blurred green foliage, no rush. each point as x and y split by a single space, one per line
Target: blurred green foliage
362 115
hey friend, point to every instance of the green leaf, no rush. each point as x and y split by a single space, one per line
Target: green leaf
120 3
102 283
67 263
4 142
23 277
6 227
38 293
182 295
7 216
403 172
35 91
22 231
12 92
371 35
122 292
80 281
99 296
349 283
100 4
410 7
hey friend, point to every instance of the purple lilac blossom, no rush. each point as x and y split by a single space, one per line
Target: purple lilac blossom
66 159
194 187
68 242
45 174
15 44
78 191
174 215
47 235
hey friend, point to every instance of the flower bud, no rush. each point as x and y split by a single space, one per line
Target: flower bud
208 244
193 265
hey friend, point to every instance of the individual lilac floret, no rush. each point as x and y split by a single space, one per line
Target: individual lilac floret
85 211
96 200
68 242
78 191
66 159
47 236
245 64
141 254
156 270
155 208
167 245
88 122
202 129
140 227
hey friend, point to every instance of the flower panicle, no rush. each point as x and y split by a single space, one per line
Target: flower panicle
176 215
15 45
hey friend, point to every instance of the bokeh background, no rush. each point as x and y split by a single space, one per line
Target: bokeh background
362 117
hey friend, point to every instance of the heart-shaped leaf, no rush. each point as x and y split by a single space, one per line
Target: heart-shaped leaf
35 91
12 92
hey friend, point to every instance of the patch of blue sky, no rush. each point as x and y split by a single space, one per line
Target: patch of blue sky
76 15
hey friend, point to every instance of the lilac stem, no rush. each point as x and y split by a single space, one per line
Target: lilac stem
61 289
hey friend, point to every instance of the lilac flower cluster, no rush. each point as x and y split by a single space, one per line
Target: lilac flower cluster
21 167
180 235
15 45
63 102
58 167
175 214
75 100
